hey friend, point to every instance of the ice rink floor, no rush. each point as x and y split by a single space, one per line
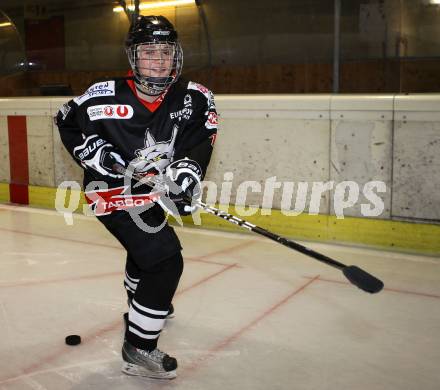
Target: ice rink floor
250 314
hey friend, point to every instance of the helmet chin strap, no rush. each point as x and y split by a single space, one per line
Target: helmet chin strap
145 92
150 91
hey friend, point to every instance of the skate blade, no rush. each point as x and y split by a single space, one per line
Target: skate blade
135 370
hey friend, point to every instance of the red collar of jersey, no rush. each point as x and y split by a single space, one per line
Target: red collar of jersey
150 106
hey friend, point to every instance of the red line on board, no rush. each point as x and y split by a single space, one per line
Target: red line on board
18 193
18 159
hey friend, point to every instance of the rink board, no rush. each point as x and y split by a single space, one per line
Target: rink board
294 138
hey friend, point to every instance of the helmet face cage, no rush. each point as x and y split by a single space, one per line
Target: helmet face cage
155 64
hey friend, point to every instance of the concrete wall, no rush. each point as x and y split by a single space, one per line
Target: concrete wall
4 148
361 150
291 139
416 160
269 136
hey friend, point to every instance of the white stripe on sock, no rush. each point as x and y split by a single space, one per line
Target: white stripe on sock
144 322
132 279
144 336
131 284
151 311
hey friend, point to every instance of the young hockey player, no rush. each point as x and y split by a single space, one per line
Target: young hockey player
152 122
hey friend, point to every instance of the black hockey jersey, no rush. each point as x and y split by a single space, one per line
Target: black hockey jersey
180 123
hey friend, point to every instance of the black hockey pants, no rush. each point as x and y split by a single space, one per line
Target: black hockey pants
153 269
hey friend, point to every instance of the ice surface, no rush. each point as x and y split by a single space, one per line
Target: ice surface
250 314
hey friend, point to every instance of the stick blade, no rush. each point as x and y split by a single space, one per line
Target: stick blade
362 279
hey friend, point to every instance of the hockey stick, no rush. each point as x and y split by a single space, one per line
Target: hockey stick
354 274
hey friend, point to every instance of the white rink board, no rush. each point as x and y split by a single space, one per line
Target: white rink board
40 151
416 179
269 148
295 138
361 137
66 169
4 147
416 170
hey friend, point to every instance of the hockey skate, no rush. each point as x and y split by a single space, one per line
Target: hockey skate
155 364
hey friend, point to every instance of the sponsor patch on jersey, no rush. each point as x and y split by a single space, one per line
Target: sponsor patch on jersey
105 88
104 202
208 94
184 113
212 121
110 111
187 100
159 32
64 110
199 87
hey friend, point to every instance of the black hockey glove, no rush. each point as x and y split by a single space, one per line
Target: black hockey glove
182 180
99 155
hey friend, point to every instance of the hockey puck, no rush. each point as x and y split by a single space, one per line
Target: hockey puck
73 339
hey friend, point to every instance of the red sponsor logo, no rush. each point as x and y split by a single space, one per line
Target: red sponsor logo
106 201
201 88
213 119
108 111
122 111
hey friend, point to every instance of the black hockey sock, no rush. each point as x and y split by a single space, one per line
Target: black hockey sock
151 302
132 276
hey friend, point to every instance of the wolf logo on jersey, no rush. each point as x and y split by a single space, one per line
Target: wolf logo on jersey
154 154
